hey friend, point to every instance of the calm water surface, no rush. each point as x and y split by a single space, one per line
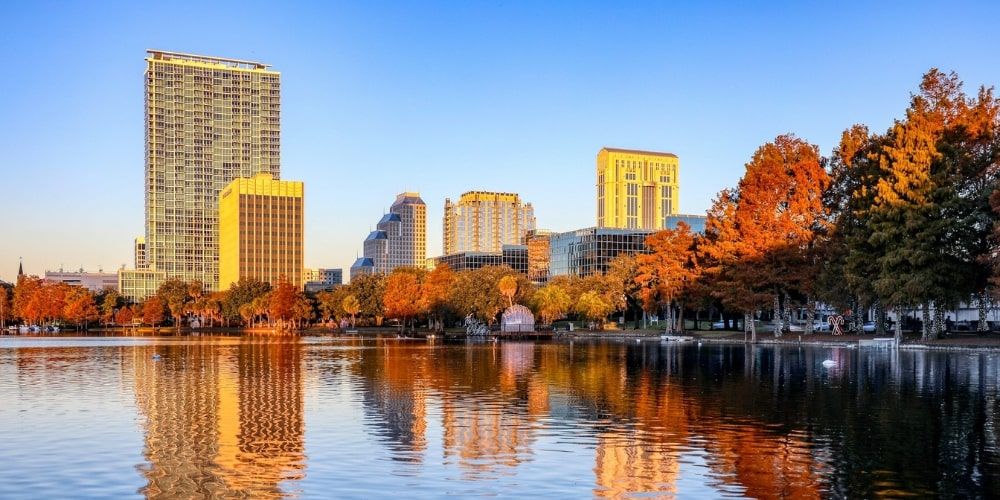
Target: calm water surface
321 418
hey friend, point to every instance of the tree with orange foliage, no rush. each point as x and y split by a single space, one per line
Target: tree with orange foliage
666 272
5 306
79 307
435 290
154 311
281 303
401 298
125 315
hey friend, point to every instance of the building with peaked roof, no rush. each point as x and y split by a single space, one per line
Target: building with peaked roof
399 238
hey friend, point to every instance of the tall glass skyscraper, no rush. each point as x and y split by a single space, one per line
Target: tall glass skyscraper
209 120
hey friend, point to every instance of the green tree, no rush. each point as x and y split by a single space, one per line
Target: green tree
594 306
175 293
240 294
369 289
352 306
551 302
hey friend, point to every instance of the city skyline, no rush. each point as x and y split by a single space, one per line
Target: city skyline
719 109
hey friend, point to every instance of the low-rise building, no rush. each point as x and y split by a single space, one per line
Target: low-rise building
589 251
94 282
513 256
136 285
318 280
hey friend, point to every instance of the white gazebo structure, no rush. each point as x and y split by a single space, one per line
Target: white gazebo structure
517 319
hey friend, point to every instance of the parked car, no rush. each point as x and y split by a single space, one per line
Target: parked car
821 326
719 325
868 327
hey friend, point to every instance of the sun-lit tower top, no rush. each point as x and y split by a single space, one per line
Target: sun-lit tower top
636 189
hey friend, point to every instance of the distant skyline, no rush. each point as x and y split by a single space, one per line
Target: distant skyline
444 98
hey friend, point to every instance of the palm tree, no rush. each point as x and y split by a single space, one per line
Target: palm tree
351 306
508 287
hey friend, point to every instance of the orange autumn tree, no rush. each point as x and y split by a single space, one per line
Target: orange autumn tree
154 311
434 294
401 298
778 212
666 272
79 307
281 303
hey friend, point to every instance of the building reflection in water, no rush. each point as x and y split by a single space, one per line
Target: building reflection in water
762 422
221 420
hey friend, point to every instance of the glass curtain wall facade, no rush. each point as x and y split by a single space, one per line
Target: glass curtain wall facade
209 120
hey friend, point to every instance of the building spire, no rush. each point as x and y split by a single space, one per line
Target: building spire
20 267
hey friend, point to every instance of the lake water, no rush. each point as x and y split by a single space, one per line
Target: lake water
321 418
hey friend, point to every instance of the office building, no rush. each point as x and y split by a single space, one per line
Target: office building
318 280
483 221
362 265
209 121
261 232
95 282
399 238
513 256
139 251
589 251
136 285
636 189
538 243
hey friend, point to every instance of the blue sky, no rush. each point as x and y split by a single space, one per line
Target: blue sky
445 97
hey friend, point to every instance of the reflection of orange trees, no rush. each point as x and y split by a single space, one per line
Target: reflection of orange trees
653 424
220 420
767 465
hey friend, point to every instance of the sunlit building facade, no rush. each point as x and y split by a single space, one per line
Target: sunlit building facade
484 221
538 243
399 238
636 189
261 232
318 279
139 251
137 284
209 120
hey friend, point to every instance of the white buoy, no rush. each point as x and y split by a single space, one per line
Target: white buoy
829 363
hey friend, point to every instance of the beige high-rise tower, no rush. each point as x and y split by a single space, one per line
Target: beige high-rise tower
636 189
484 221
209 120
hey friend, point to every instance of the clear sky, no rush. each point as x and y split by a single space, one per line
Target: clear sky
447 97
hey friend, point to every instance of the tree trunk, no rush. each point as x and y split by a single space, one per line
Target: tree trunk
810 314
748 325
939 326
925 318
879 322
898 330
778 316
983 326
